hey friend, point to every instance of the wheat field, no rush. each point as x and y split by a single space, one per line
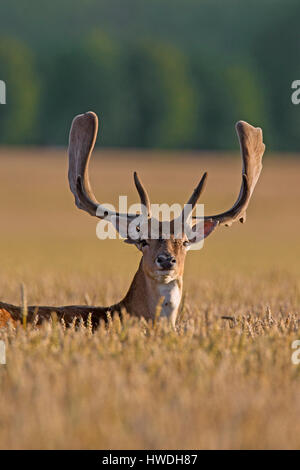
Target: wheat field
212 383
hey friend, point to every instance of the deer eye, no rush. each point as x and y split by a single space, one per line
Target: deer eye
186 244
144 243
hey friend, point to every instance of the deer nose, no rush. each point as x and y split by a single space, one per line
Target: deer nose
166 261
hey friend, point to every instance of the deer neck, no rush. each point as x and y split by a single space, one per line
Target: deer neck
147 296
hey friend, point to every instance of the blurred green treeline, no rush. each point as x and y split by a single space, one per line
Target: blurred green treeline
159 73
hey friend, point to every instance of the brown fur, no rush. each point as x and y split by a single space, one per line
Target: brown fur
135 302
5 317
39 314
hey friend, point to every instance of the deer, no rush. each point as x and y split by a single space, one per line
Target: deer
159 278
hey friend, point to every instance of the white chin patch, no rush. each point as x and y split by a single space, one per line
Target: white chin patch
164 276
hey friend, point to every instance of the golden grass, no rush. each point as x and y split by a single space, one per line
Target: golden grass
211 384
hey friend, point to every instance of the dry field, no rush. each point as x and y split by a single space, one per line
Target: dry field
211 384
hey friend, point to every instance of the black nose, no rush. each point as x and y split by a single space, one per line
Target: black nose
166 262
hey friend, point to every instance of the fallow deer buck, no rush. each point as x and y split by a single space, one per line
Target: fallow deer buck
158 280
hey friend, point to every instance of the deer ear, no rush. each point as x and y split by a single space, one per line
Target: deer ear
209 227
130 241
137 243
202 229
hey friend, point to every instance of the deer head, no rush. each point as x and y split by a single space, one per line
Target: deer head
163 256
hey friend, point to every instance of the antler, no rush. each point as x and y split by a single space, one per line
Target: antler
82 140
252 149
189 206
81 144
145 201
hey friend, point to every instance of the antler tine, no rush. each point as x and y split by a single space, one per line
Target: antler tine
198 191
252 150
195 197
145 200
